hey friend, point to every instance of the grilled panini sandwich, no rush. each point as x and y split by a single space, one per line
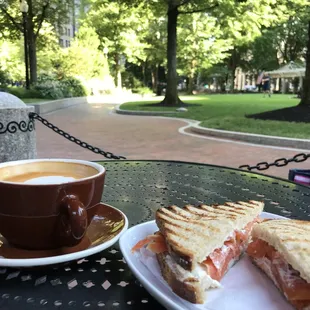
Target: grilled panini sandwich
281 248
196 246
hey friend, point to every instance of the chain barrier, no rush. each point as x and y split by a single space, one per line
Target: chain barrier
71 138
280 162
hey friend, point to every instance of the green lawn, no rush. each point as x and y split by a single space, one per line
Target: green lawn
34 100
228 112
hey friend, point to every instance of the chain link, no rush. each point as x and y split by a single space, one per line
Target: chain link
71 138
280 162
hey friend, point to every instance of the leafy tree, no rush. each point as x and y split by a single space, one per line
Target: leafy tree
263 42
240 19
11 59
155 41
290 38
201 45
218 72
278 45
119 28
53 12
84 58
262 53
305 99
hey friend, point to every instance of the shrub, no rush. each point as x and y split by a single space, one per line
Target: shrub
130 81
51 87
23 93
3 78
72 87
142 91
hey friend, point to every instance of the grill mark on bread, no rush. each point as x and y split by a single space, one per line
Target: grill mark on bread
186 213
172 214
192 233
220 212
219 208
193 216
206 214
207 211
198 212
225 208
251 204
181 223
235 207
247 208
180 212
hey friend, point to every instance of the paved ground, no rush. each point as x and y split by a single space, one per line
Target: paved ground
139 137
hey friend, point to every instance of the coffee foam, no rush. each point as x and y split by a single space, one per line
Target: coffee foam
50 180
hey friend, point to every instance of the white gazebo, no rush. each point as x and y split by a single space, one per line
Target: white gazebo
291 70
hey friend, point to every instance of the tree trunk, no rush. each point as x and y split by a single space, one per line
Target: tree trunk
32 58
171 97
191 83
144 66
233 77
305 96
118 75
119 79
198 79
232 66
32 45
190 87
155 78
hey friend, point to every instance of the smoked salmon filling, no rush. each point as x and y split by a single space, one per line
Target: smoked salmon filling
288 280
219 261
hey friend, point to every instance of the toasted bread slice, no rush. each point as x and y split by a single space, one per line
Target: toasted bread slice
291 238
189 286
192 233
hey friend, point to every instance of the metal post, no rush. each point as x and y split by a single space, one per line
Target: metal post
26 49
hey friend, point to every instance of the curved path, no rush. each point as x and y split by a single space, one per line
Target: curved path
141 137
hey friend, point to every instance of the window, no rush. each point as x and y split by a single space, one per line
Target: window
61 42
69 32
67 43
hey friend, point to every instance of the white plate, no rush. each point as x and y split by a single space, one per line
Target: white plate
244 286
98 238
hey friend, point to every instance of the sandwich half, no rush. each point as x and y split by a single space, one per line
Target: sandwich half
281 248
196 246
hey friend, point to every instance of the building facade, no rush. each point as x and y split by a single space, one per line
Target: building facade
68 30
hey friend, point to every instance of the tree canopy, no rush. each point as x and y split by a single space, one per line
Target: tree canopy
155 40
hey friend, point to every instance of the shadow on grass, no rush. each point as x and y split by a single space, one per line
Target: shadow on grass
298 114
160 104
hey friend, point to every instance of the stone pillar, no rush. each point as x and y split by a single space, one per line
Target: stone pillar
277 84
283 85
240 80
17 131
300 82
243 80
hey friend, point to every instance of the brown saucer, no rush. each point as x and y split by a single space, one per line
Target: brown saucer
107 224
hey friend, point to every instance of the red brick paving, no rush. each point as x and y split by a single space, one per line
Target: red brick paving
140 137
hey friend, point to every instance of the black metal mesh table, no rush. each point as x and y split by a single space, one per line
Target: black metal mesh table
138 188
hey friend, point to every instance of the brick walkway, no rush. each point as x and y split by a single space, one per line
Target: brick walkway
139 137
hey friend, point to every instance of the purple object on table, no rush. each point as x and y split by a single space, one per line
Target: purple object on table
300 176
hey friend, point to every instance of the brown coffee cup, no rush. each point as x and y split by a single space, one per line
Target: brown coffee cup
48 203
